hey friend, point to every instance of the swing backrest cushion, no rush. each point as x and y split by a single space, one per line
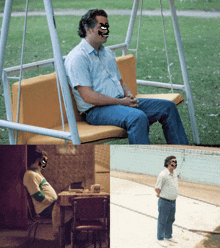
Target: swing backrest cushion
127 68
39 102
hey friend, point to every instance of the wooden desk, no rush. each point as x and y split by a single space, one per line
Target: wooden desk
64 199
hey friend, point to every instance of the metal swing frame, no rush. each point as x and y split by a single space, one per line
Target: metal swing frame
73 135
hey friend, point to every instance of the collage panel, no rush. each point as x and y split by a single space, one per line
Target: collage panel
55 196
134 171
186 210
124 74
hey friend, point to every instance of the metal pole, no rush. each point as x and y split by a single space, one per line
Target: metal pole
36 130
61 72
184 72
162 85
21 64
131 24
8 106
3 76
4 33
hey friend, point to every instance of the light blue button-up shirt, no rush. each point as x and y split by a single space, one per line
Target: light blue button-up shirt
84 67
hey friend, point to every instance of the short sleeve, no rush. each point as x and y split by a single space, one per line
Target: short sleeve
31 182
78 72
114 64
159 183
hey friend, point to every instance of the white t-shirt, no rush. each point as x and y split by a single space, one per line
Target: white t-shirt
42 193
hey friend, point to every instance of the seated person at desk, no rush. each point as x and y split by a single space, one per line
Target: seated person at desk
42 193
101 95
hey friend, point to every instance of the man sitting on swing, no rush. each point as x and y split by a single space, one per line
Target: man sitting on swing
101 95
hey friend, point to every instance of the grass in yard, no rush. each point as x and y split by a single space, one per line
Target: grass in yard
19 5
202 52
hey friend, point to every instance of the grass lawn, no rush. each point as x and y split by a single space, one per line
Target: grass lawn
202 52
18 5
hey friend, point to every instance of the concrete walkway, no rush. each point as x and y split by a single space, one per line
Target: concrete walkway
188 13
134 217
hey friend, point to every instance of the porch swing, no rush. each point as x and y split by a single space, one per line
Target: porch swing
36 119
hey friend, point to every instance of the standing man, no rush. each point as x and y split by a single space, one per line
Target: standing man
167 191
101 95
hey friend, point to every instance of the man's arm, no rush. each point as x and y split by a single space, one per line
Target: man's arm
126 90
97 99
159 184
32 183
158 192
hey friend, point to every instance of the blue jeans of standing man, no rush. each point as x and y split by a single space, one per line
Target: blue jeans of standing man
138 120
165 219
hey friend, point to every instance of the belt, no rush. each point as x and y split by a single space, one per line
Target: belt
85 113
167 199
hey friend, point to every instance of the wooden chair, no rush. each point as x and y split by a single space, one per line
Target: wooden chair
91 214
34 217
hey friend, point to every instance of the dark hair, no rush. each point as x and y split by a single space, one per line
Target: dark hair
33 153
167 160
88 20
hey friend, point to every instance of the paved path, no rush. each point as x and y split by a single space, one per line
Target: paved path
134 217
194 13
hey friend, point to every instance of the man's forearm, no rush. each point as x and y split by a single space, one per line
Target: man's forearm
97 99
125 89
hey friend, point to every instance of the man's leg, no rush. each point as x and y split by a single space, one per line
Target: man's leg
133 120
167 114
56 221
170 220
47 212
164 210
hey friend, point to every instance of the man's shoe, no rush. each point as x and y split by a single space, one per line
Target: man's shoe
172 240
162 243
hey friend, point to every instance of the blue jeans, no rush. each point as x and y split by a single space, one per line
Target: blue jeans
165 219
138 120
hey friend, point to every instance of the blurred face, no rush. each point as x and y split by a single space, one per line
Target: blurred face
173 164
99 34
43 162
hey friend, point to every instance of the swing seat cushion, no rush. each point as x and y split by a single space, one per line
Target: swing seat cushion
39 106
87 133
174 97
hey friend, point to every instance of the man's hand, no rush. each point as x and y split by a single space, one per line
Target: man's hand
130 101
158 192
